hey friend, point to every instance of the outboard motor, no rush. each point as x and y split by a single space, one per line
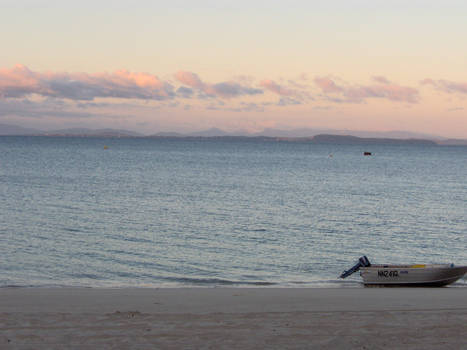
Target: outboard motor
362 262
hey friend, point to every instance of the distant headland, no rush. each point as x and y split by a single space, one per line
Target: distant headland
299 135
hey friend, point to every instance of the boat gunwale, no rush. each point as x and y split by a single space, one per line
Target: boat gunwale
414 267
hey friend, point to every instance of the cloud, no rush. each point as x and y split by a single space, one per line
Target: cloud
247 107
391 92
240 107
85 105
244 79
185 92
380 79
328 85
446 85
298 95
190 79
33 109
287 101
75 92
232 89
455 109
226 89
384 89
298 85
20 82
276 88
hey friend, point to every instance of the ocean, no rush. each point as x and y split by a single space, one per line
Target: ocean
148 212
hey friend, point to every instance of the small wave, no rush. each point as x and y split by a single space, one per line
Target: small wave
216 281
16 286
72 229
86 275
45 285
137 240
326 283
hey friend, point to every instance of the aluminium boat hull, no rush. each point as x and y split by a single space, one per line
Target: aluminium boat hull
412 275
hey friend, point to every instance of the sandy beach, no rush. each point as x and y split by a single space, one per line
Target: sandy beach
233 318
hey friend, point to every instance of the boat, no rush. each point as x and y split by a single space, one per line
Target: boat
423 275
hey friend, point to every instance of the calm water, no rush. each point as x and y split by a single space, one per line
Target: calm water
152 213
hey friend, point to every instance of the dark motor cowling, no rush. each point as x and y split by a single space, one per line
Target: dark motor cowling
362 262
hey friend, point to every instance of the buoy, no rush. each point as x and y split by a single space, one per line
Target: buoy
105 147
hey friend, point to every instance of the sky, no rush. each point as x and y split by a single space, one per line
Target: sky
153 66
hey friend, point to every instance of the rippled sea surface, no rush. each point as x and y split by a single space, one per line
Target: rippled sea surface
216 212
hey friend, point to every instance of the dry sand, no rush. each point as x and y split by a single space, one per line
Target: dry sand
233 318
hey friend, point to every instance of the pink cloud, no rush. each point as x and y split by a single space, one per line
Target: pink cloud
327 85
380 79
446 85
20 82
126 78
227 89
189 79
276 88
359 93
388 91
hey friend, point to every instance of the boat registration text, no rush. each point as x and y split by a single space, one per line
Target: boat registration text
388 273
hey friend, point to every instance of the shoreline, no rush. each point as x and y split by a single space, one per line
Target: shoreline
228 299
337 284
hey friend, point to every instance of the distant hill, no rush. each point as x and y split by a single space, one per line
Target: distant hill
453 142
15 130
349 140
305 134
167 134
8 129
213 132
93 132
268 132
301 133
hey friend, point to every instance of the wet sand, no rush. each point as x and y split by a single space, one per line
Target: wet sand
233 318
